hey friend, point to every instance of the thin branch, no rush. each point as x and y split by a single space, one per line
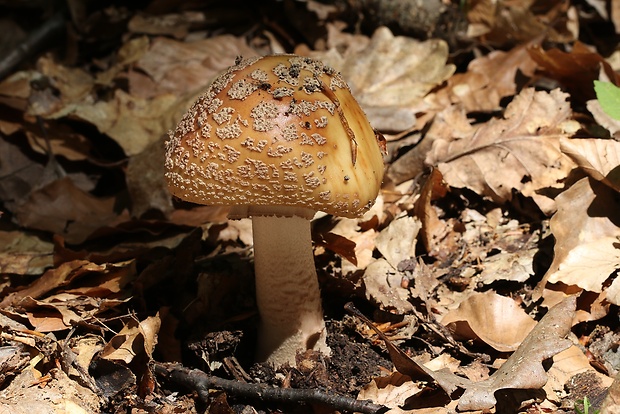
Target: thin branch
33 44
202 382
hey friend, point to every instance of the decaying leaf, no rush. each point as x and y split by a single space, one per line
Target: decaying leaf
520 152
494 319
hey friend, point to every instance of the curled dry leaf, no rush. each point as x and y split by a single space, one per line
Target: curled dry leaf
436 234
391 75
134 339
586 231
494 319
520 152
599 158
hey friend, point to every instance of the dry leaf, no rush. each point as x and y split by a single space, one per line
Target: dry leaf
586 234
391 391
177 25
524 369
488 79
391 75
64 209
67 86
611 405
134 339
145 181
520 152
180 68
20 176
566 365
101 280
494 319
508 23
24 254
63 395
599 158
132 122
437 235
398 240
576 69
364 244
603 118
338 244
516 267
383 286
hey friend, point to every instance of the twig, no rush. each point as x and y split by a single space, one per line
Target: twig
34 43
201 382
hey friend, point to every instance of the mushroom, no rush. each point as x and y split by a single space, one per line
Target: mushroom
279 138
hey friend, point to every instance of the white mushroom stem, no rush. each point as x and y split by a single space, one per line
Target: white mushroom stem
287 289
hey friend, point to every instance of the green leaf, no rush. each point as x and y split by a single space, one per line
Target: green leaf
608 96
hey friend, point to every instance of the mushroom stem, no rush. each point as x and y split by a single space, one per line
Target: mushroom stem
287 289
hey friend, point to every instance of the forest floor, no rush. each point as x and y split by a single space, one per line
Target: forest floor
485 276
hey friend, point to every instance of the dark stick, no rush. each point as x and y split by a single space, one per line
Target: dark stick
202 382
35 41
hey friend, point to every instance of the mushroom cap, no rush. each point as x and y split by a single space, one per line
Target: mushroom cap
278 130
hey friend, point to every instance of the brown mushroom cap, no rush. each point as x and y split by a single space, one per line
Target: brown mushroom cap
279 130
